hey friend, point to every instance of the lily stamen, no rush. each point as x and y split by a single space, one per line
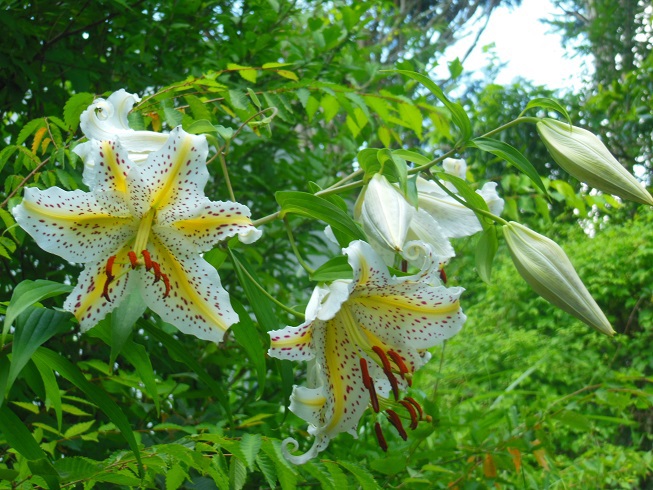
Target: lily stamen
396 421
414 403
403 370
387 370
110 277
379 436
148 260
133 259
413 413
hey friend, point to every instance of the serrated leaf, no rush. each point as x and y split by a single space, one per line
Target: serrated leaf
338 476
486 249
288 74
26 294
78 429
30 407
266 465
96 395
237 474
512 156
30 128
175 476
413 117
330 105
247 72
363 476
34 326
198 108
76 468
317 473
250 444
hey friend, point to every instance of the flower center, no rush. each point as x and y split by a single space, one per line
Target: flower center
392 363
140 244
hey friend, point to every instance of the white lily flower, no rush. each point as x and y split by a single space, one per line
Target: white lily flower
547 269
584 156
367 336
106 119
390 221
142 229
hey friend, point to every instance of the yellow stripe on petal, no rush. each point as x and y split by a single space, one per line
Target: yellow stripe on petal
196 302
408 303
162 196
334 369
116 172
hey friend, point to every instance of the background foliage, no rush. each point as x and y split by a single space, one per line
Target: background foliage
523 397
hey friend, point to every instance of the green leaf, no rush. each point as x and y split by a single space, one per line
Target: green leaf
337 475
266 465
336 268
330 105
250 444
412 156
26 294
198 108
458 114
247 336
78 429
486 248
95 394
317 473
52 393
548 103
175 476
18 435
29 128
179 352
122 320
363 476
511 155
252 95
4 156
413 117
260 303
74 107
34 326
201 126
76 468
237 474
316 207
248 73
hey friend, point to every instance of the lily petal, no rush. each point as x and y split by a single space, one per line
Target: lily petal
292 343
87 302
177 173
107 120
425 228
78 226
196 303
197 230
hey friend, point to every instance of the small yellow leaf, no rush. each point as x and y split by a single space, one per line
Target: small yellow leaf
489 468
540 456
384 136
516 458
44 145
247 72
38 137
288 74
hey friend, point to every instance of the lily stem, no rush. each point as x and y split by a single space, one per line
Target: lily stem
264 291
291 238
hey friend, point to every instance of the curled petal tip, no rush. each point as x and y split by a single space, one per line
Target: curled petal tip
299 459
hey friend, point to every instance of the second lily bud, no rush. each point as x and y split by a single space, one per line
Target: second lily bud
584 156
547 269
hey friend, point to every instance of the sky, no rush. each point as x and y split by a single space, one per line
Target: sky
529 46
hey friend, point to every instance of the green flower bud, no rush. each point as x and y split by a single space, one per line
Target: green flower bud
584 156
546 268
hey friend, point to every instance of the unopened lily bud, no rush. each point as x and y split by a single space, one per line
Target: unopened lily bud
384 213
584 156
546 268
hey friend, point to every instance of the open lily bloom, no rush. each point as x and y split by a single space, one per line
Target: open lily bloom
141 230
366 337
106 119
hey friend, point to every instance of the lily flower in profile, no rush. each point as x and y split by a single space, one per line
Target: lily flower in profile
390 221
366 336
141 230
584 156
106 119
548 270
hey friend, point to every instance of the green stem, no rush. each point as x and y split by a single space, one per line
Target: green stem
263 290
293 245
225 172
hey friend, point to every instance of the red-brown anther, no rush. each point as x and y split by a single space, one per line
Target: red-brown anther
403 370
393 382
443 275
157 271
413 414
384 359
109 269
166 281
105 291
148 260
414 403
133 259
367 381
396 421
373 398
380 438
